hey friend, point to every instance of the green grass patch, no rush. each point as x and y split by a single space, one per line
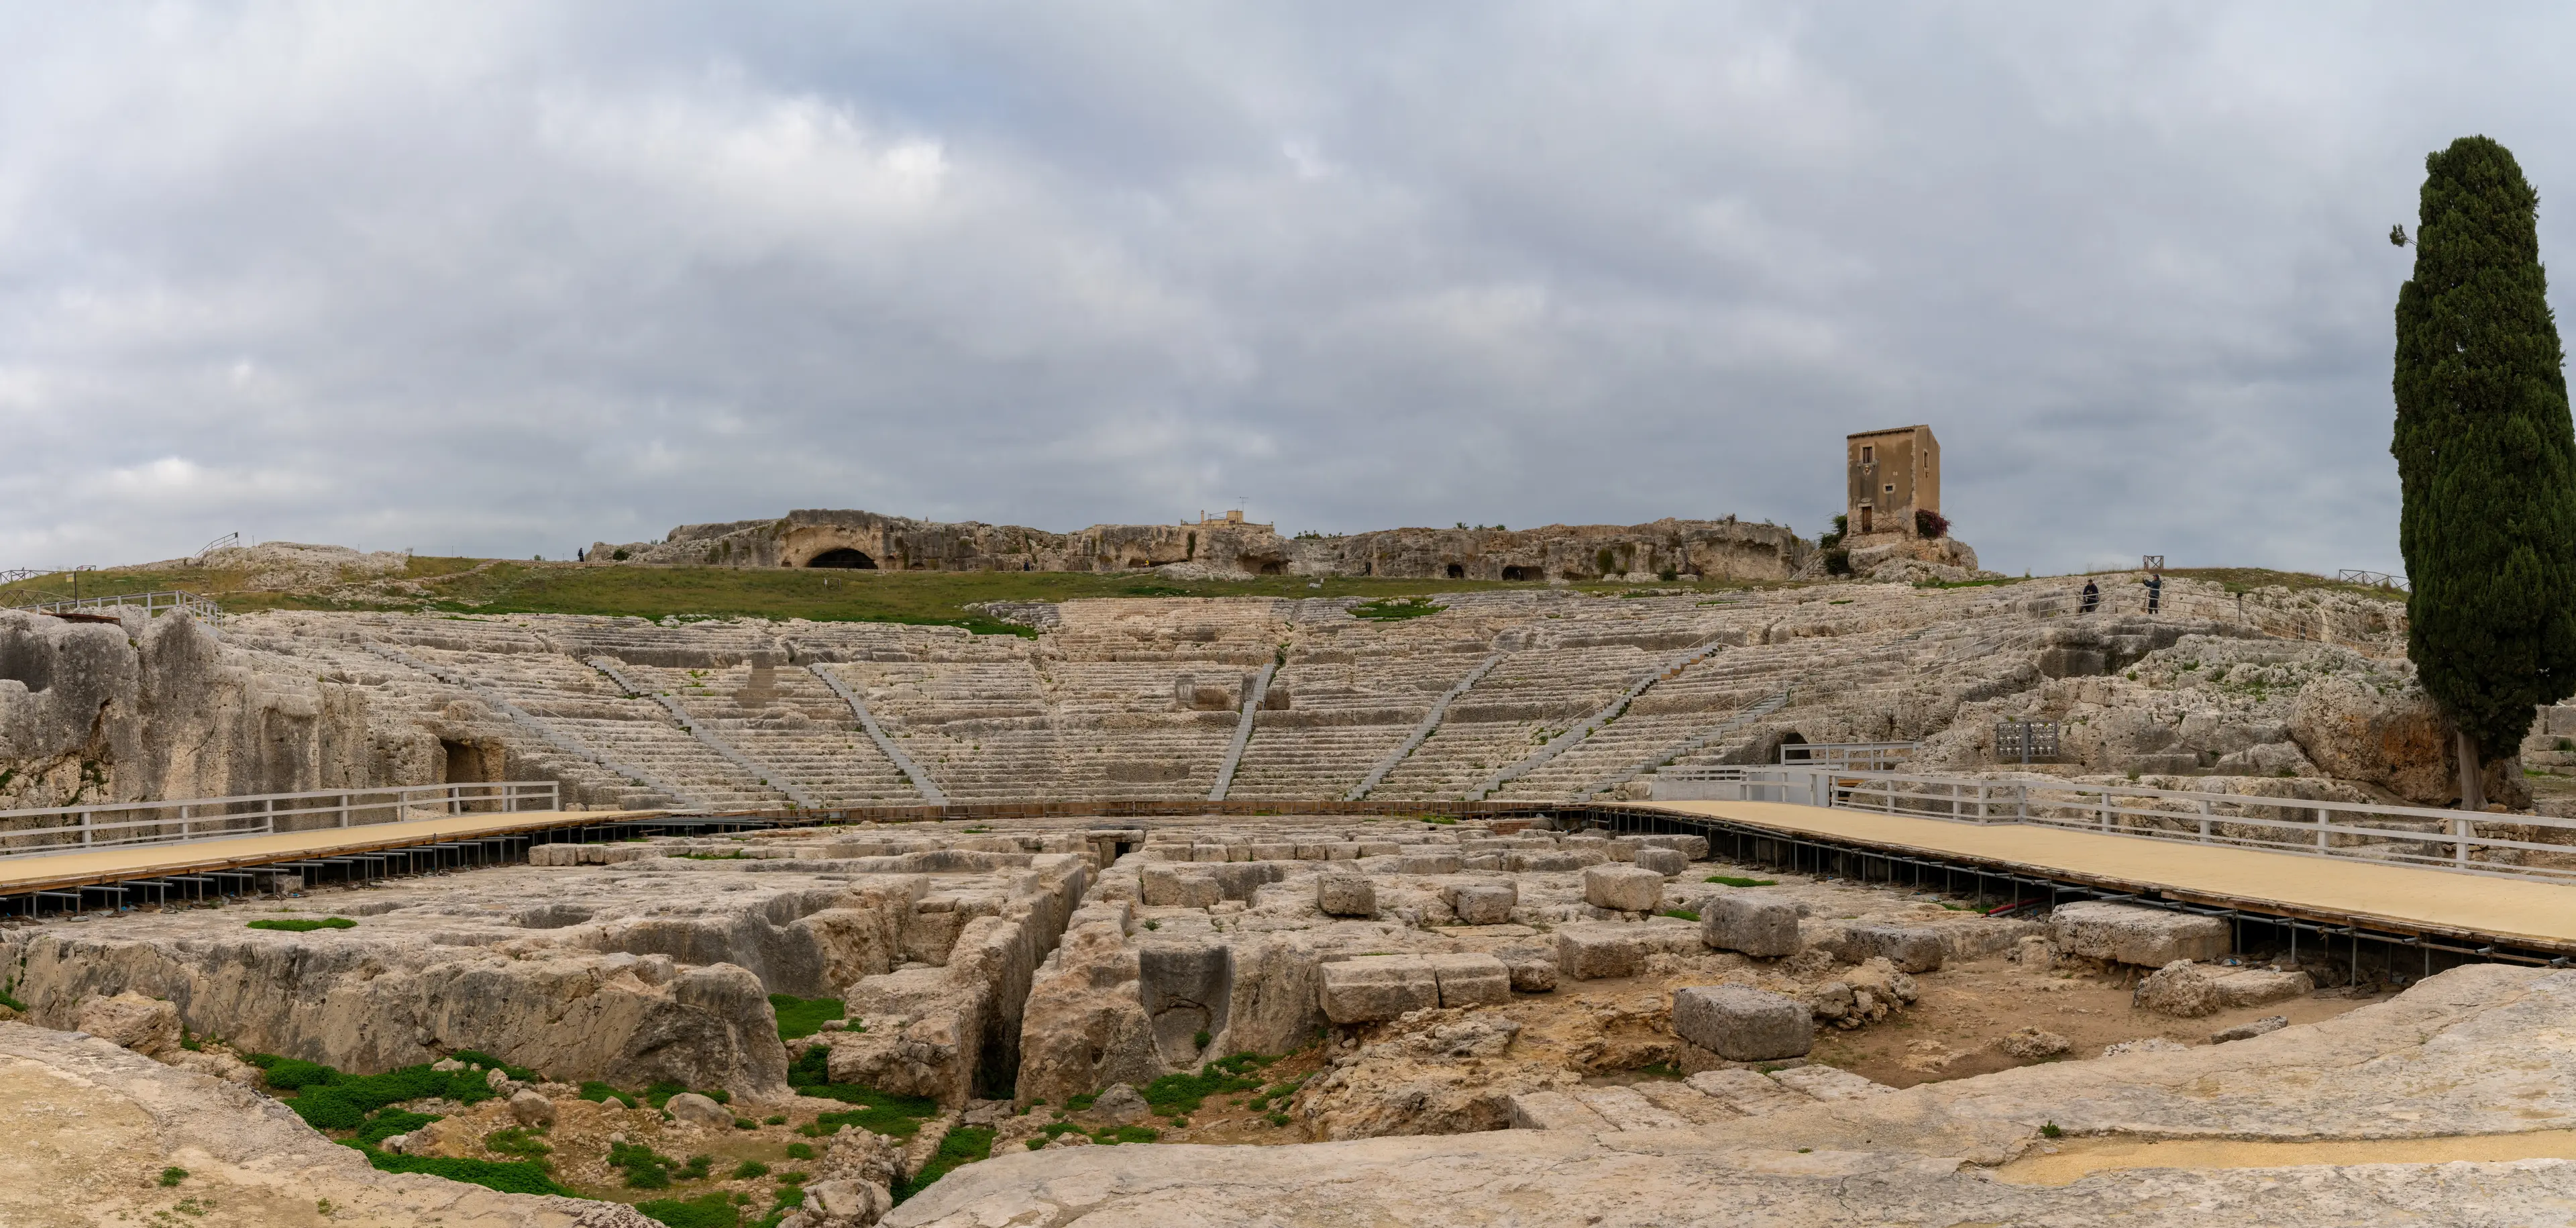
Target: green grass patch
1184 1093
715 1210
799 1018
879 1112
507 1176
962 1146
1386 609
1114 1135
1683 913
329 1100
173 1175
299 925
602 1093
1729 880
389 1122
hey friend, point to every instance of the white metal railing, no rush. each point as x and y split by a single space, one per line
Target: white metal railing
1847 756
65 829
2465 840
152 603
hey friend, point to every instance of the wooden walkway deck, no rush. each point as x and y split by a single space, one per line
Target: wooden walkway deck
66 871
2392 899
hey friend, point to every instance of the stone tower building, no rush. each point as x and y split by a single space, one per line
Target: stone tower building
1894 474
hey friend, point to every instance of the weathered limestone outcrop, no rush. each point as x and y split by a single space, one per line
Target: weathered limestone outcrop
155 707
866 540
2471 1052
92 1125
641 971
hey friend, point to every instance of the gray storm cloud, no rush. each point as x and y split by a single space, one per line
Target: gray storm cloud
504 279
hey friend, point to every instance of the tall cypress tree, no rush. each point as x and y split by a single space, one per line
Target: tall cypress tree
2486 458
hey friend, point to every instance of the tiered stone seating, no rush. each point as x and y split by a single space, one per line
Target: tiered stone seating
332 644
785 719
581 702
1338 714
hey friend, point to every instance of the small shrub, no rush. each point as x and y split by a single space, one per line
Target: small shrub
645 1169
1153 925
774 1119
800 1151
390 1122
749 1169
516 1141
2050 1130
300 925
1200 1038
1278 1119
1929 523
1838 562
1081 1101
1730 880
745 1123
1036 1143
704 1211
173 1175
1114 1135
603 1093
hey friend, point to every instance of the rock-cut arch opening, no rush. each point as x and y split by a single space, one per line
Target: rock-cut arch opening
1457 572
1520 573
844 557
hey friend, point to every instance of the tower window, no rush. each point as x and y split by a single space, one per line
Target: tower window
1869 454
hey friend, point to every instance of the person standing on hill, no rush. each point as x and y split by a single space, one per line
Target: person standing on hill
2155 590
2092 596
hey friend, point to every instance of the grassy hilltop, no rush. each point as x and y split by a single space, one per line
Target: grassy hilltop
502 586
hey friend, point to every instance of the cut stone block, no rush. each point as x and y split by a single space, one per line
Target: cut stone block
1375 987
2248 1031
1591 952
1543 861
1684 1101
1624 1109
1762 926
1484 903
1427 863
1345 895
2262 987
1626 888
1828 1083
1662 861
1167 885
1533 968
1742 1024
1745 1091
1694 848
1910 948
1274 852
2132 934
1554 1110
1470 979
1207 852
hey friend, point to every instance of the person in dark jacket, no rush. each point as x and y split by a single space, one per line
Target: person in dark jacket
2155 590
2092 597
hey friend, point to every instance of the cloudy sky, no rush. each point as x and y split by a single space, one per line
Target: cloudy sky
505 279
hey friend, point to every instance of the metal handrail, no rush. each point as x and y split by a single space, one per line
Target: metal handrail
1847 756
153 603
125 824
2357 831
